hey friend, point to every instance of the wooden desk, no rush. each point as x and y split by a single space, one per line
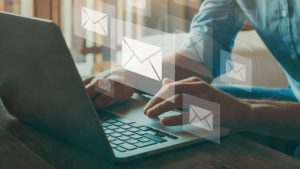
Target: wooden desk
24 147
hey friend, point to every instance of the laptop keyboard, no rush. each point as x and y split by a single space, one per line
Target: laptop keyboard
125 135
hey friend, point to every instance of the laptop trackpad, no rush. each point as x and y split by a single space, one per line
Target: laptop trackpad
134 110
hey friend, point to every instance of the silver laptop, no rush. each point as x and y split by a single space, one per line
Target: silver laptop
40 85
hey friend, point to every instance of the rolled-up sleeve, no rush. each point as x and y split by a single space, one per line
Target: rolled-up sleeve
216 24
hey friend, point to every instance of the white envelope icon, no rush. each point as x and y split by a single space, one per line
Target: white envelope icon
196 47
103 84
141 4
94 21
142 58
236 70
201 117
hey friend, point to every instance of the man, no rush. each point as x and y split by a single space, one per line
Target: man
276 21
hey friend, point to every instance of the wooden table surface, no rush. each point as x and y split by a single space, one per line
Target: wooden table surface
24 147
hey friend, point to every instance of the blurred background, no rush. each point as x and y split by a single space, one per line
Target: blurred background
166 16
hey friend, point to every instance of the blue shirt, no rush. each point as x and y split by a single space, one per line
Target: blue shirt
276 21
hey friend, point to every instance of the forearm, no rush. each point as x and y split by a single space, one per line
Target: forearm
279 119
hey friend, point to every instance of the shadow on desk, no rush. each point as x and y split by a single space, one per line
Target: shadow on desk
235 151
283 145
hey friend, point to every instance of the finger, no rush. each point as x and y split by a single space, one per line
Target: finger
165 92
165 106
155 100
167 81
88 80
108 98
179 87
103 101
191 87
90 88
172 120
103 86
168 90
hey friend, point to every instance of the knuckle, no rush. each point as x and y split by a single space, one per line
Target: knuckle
169 86
203 85
178 98
194 79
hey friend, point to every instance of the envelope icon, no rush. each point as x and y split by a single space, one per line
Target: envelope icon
142 58
94 21
236 70
103 84
201 117
141 4
195 47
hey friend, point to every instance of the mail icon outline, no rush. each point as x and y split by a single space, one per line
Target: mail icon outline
140 4
191 46
142 58
200 118
236 70
94 21
104 84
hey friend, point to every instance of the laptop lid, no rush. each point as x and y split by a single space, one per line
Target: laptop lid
40 85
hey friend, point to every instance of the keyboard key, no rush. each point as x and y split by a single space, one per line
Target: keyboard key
117 142
124 138
118 124
172 137
123 120
105 124
133 129
125 126
112 127
141 132
110 138
127 146
136 125
149 143
131 141
111 121
151 132
160 134
116 134
143 140
128 133
155 138
108 131
135 136
113 145
120 130
121 149
145 128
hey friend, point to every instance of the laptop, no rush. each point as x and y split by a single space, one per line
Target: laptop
40 85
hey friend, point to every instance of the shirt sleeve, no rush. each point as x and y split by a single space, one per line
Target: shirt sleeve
214 28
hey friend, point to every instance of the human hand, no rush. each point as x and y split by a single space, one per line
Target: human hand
233 111
101 98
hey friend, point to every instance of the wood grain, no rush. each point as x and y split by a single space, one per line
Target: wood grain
14 154
234 152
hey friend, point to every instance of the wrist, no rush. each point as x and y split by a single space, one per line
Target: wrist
237 117
245 115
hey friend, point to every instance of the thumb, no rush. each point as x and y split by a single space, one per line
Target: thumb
88 80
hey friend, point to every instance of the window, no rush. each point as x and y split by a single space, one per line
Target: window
89 56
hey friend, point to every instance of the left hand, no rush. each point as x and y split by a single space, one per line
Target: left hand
233 111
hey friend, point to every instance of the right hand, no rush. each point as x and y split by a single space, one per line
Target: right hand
101 98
